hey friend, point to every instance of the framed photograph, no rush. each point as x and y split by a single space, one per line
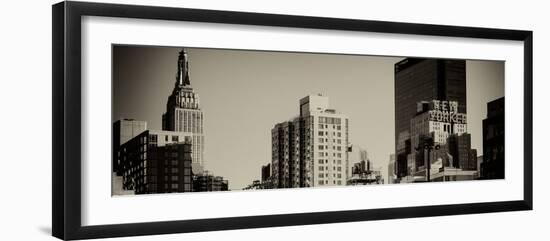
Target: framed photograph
172 120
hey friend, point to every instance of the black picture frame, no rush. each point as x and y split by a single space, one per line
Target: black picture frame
66 164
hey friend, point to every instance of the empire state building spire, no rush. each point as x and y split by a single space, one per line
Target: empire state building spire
183 113
183 69
183 95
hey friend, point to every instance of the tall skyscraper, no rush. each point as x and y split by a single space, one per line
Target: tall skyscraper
312 149
460 148
183 113
418 80
286 165
492 166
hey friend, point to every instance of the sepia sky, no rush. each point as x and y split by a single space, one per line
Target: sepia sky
243 94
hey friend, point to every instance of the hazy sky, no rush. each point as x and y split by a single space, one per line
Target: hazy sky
244 94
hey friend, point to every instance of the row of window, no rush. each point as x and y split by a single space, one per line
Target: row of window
325 154
323 168
173 186
322 126
323 140
323 133
325 161
323 147
172 170
330 120
325 182
323 175
154 138
173 178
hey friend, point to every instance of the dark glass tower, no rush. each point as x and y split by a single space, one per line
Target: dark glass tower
493 141
419 80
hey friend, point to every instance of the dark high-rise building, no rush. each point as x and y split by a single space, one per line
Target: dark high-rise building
492 166
460 148
266 172
123 131
418 80
285 165
157 162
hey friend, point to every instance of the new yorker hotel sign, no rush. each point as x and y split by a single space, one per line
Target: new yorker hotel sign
446 111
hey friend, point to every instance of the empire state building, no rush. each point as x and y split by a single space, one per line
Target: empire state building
183 113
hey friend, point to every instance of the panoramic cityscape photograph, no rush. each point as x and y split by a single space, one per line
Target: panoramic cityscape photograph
202 120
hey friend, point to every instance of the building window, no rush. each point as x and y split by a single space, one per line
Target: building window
175 138
320 133
321 182
320 168
321 126
174 178
321 147
187 179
